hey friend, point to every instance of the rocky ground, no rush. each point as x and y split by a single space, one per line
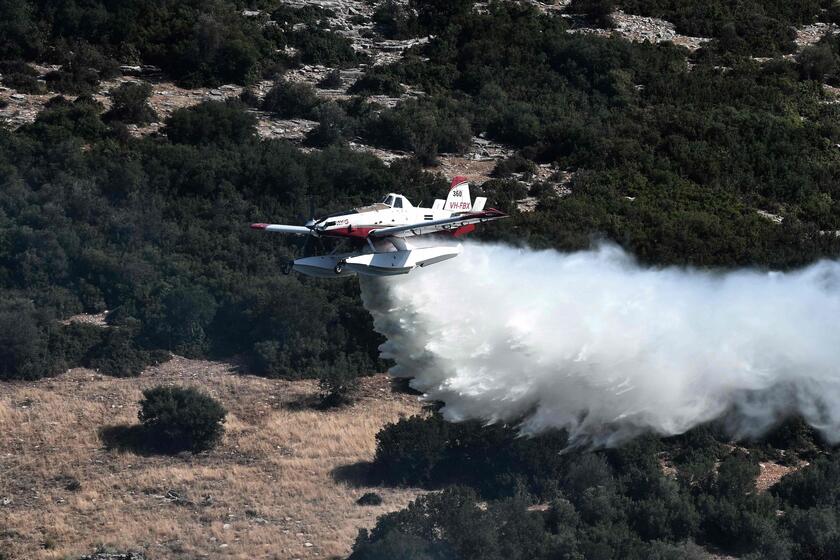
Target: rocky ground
640 29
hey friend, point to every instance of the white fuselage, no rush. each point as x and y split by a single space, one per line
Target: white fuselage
361 221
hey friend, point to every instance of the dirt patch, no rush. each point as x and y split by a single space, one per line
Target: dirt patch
267 491
771 473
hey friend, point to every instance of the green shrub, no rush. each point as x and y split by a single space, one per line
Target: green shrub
597 12
377 83
211 122
332 80
318 46
514 164
291 100
334 125
118 355
77 340
130 104
370 499
21 77
181 419
337 383
395 21
29 342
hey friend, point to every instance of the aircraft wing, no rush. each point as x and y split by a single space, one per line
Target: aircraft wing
280 228
432 226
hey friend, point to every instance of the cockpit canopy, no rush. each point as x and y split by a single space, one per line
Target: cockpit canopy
396 201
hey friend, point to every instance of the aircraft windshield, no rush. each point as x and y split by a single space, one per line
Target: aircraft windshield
372 207
389 200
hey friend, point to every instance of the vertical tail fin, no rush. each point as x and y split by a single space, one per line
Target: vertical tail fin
459 196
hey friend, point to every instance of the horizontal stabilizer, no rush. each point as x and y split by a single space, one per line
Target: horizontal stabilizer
280 228
479 203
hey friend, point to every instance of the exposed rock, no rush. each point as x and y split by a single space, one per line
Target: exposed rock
642 29
269 126
98 319
811 34
775 218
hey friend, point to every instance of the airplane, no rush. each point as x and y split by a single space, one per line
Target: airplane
385 234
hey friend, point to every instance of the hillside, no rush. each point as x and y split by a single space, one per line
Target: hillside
270 489
140 138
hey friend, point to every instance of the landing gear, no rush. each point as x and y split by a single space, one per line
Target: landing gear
339 267
287 268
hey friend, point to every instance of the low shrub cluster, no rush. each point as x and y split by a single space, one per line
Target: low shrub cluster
616 503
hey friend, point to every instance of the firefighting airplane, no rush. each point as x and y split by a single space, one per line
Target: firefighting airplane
382 233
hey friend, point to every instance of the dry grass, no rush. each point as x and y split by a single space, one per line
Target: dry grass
265 492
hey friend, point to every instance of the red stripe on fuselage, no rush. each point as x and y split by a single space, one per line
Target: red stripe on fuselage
349 231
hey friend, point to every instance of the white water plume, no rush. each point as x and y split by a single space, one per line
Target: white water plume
595 343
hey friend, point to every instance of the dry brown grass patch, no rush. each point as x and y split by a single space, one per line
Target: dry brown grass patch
264 492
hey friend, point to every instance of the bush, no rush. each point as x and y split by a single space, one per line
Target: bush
394 21
425 127
129 104
435 16
370 499
377 83
318 46
181 419
334 125
817 62
337 383
249 98
78 339
61 118
514 164
119 355
291 100
332 80
29 342
21 77
597 12
212 122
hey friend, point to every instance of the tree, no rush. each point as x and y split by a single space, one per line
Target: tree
129 104
817 62
180 419
24 342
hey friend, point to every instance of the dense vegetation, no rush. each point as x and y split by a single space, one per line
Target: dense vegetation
618 503
195 42
671 159
156 230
